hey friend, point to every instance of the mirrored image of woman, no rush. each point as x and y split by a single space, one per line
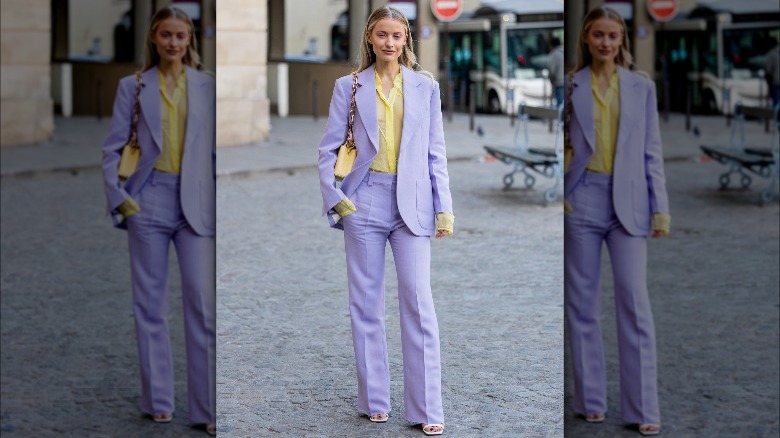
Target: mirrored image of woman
397 192
615 194
169 198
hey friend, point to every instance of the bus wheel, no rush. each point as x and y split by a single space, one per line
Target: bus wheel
494 105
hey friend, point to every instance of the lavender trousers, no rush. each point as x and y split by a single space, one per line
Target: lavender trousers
591 223
366 233
150 233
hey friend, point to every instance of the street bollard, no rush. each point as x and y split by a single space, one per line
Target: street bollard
67 89
762 101
462 97
510 101
315 97
688 107
450 94
666 100
472 107
283 89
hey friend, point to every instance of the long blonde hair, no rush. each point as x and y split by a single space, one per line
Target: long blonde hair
152 58
584 58
366 55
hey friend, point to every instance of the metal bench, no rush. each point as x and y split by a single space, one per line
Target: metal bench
540 160
743 161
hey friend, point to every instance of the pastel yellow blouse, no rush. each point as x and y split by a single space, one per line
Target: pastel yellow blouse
390 115
606 119
173 112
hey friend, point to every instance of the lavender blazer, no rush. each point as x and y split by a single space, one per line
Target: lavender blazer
639 188
423 183
198 167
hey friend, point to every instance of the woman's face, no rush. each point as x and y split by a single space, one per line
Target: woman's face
604 39
171 39
387 39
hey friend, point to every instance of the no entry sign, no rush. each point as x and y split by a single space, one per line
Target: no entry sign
662 10
447 10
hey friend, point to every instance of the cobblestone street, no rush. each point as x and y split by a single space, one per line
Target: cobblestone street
714 290
285 351
285 358
69 360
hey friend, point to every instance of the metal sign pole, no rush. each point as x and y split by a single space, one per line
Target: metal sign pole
448 89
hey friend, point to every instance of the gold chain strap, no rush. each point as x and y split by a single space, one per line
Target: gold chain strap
350 141
567 110
136 109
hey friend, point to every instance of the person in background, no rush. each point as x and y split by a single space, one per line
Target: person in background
123 39
615 193
555 64
170 198
398 191
772 74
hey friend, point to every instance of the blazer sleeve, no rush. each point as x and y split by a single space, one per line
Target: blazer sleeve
335 133
437 156
654 161
118 136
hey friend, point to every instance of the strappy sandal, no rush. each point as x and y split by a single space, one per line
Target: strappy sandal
162 418
427 429
649 429
379 418
594 418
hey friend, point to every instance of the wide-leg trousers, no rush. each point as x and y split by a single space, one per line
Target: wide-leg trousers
150 234
592 223
366 233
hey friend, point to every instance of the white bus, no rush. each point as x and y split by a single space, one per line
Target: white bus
502 49
720 53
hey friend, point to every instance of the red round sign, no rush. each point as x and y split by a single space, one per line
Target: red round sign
662 10
447 10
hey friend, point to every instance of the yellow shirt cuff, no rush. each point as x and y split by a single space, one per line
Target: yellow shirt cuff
128 208
662 222
567 208
446 222
345 207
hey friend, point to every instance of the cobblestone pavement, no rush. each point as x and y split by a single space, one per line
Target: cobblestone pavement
69 361
285 351
714 289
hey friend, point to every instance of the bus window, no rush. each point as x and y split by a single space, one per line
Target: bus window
491 52
528 51
744 51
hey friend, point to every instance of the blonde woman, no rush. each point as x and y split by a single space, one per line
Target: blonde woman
398 191
615 194
169 199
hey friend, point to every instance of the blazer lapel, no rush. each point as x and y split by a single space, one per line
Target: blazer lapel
365 102
628 106
582 104
195 107
412 105
149 99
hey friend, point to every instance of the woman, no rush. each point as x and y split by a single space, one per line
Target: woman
399 183
169 198
615 191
